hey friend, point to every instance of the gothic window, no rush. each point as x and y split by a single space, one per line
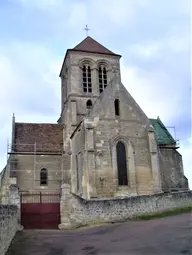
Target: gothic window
89 104
43 177
87 86
116 105
121 164
102 78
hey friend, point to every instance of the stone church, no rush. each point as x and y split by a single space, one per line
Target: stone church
103 144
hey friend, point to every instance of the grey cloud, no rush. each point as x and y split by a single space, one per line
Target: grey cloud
31 84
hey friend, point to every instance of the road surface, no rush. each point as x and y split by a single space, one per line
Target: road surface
169 236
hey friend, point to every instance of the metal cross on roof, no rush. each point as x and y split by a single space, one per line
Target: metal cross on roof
86 29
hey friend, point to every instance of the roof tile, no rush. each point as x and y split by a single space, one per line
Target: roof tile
162 134
48 137
90 45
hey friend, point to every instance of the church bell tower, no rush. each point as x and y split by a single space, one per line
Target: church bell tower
85 73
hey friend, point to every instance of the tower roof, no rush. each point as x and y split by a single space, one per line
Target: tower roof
90 45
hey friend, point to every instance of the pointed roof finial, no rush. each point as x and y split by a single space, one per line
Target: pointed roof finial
86 29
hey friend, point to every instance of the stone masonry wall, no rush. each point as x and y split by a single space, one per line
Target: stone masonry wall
106 132
76 61
76 211
131 127
172 170
27 179
9 215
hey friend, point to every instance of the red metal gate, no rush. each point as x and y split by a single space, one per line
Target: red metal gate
40 210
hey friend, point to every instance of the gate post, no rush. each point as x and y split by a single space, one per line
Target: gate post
65 207
15 199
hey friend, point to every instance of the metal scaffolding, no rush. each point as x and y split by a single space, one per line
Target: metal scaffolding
175 137
35 150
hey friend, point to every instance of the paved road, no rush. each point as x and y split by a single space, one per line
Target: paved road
170 236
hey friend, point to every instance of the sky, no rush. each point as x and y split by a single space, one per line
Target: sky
153 38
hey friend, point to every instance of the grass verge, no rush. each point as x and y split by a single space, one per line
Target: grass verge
173 212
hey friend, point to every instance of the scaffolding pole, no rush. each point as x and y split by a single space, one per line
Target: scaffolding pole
174 130
62 169
33 150
7 172
7 165
34 174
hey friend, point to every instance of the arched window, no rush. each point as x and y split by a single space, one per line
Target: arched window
121 164
89 104
102 78
116 105
43 177
87 87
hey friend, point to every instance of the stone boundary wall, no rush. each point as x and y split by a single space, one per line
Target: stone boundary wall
9 215
76 212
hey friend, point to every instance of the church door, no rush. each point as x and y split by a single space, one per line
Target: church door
121 164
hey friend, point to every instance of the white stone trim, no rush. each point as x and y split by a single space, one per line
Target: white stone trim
86 61
105 63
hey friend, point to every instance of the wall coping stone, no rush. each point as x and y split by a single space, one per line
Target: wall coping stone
131 197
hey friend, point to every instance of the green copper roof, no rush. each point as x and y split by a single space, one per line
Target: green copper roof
163 135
